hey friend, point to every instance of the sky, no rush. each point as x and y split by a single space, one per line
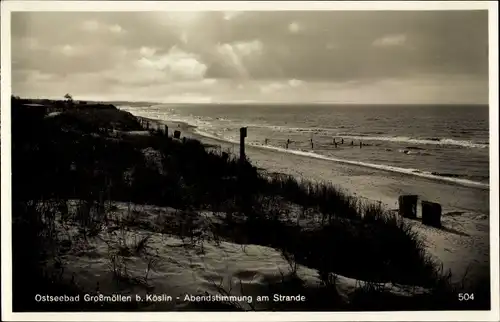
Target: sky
363 57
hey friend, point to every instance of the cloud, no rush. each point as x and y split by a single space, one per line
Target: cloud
93 26
331 46
188 98
37 76
294 27
176 63
239 54
209 81
248 48
295 82
31 43
146 50
90 25
229 15
70 50
270 88
116 29
390 40
184 37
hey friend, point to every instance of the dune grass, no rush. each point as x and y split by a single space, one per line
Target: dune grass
76 156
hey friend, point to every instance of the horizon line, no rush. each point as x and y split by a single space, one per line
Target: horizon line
259 102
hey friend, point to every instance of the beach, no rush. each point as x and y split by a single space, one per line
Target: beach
462 245
177 217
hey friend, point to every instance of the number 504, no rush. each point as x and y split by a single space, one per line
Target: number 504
465 296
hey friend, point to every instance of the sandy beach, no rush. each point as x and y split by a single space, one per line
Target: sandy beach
462 245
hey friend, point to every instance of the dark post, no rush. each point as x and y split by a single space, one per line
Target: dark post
431 214
408 206
166 130
243 135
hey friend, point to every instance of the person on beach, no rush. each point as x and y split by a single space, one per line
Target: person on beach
360 144
352 143
287 143
342 141
265 141
312 144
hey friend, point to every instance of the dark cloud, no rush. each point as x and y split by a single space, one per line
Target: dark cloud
337 46
443 41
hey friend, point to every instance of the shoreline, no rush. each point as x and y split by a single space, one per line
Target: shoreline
259 154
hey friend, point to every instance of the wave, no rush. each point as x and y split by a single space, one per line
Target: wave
426 141
408 171
450 175
282 128
377 137
333 132
370 137
414 152
415 172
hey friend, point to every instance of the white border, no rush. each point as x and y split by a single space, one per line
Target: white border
9 6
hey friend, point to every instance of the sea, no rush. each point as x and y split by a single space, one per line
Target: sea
439 142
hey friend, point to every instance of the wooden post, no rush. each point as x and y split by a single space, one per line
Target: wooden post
408 206
431 214
243 135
